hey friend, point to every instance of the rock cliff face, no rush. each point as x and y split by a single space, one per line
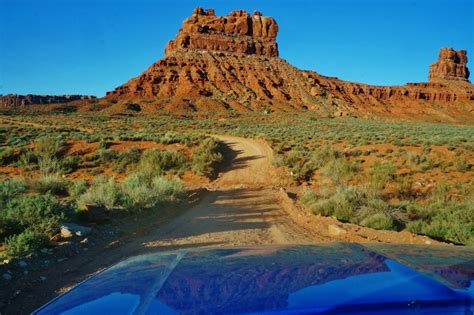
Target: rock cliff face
238 32
10 101
451 65
221 62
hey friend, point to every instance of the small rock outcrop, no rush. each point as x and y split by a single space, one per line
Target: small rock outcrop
451 65
238 32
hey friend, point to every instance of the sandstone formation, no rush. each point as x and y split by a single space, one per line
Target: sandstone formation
451 65
221 62
15 101
239 32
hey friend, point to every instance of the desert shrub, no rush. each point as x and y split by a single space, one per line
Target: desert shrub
348 204
10 188
125 159
440 194
76 188
461 165
340 204
140 194
322 156
380 174
415 226
106 155
103 144
206 157
339 171
5 153
380 221
27 159
317 205
69 163
40 212
414 158
444 218
49 183
102 192
154 162
169 189
296 162
404 187
46 150
171 137
25 243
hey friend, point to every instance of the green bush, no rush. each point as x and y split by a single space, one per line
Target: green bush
50 183
25 243
69 164
348 204
10 188
40 212
322 156
103 192
76 188
103 144
141 194
154 162
380 174
168 189
107 156
416 226
462 166
339 171
206 157
125 159
46 150
5 154
444 218
340 204
380 221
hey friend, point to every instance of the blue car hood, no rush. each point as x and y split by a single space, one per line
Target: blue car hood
318 279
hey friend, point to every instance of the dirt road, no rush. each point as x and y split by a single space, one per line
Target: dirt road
241 208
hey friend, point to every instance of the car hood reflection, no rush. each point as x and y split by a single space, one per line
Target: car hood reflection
325 279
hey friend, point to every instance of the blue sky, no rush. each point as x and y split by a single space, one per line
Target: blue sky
90 47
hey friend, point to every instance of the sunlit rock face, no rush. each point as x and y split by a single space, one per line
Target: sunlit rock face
451 65
238 32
